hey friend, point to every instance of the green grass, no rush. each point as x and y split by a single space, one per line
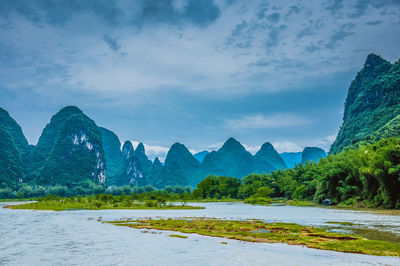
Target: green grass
11 200
368 209
99 202
178 236
304 203
258 201
258 231
341 223
214 200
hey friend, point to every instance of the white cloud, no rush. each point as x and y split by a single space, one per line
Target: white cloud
153 151
287 146
252 149
325 142
215 146
267 121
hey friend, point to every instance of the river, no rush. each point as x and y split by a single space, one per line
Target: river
77 238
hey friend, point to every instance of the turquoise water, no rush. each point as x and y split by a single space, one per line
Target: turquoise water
76 238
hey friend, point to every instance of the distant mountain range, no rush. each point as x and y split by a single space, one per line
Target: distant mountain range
291 159
308 154
72 149
200 155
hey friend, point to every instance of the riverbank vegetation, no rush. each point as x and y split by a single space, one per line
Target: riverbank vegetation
86 188
258 231
101 201
366 177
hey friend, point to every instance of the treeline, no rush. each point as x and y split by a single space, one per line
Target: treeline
368 176
90 188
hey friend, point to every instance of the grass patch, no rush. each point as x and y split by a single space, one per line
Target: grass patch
258 201
304 203
367 209
258 231
342 223
178 236
98 202
11 200
214 200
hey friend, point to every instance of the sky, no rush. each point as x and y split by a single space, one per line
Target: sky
192 71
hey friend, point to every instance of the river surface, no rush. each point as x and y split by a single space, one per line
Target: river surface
77 238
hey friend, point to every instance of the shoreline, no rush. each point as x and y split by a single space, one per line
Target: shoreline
395 212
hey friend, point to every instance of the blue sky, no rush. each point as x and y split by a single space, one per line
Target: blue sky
192 71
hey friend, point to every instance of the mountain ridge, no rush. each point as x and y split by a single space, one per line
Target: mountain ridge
71 138
372 101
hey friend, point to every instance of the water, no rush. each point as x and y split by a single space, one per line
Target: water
73 238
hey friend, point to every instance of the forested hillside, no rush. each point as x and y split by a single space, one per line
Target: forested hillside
372 104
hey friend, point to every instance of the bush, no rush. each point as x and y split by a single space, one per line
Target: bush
258 200
151 203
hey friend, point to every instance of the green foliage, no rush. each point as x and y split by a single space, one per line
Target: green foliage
113 155
145 163
181 168
100 201
48 139
258 200
253 182
11 167
369 175
77 154
68 151
217 187
366 177
372 104
14 150
261 197
15 132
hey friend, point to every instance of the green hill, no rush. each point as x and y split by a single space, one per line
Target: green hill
69 150
15 131
14 151
268 159
372 102
113 154
131 173
231 159
291 158
181 166
11 167
145 163
312 154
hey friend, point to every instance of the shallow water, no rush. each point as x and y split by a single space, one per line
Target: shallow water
73 238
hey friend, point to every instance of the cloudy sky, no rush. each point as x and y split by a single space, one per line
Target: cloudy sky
192 71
